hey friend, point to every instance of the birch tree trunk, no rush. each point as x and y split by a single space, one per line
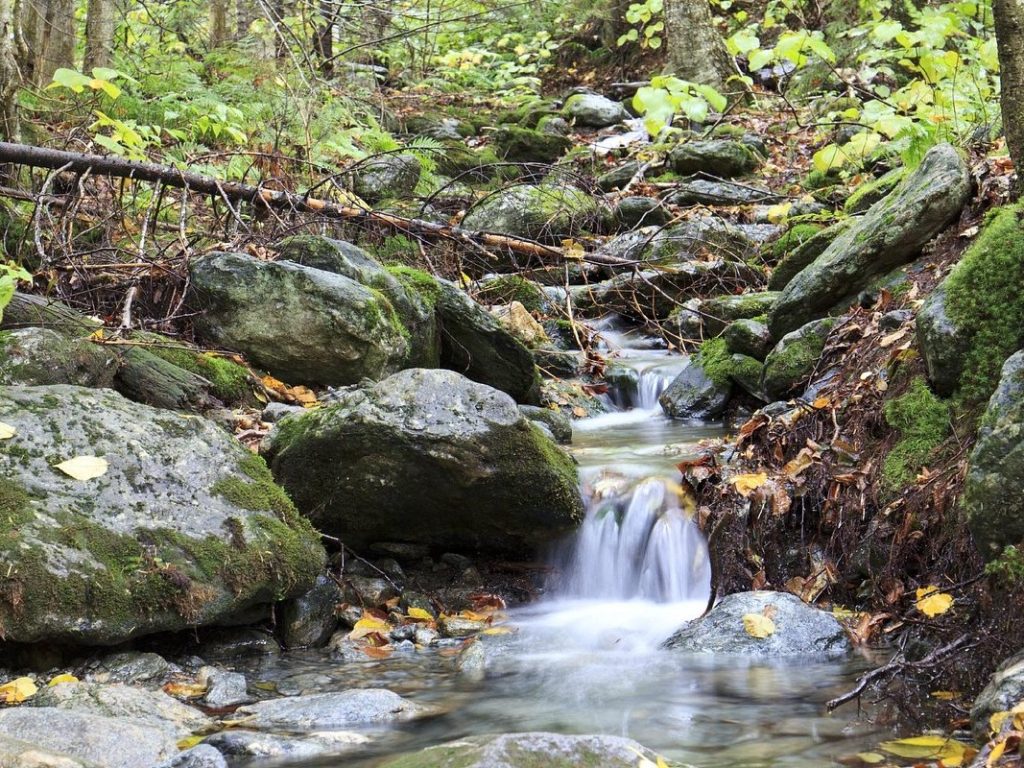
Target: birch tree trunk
1009 22
10 75
696 51
99 34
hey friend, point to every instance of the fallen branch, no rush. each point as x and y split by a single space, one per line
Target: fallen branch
76 162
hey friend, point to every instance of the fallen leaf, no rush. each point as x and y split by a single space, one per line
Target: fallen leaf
65 678
184 690
377 653
498 631
892 338
7 431
368 626
997 720
579 412
802 461
84 467
950 751
870 758
748 483
758 625
933 603
190 741
419 614
16 691
821 402
945 695
995 754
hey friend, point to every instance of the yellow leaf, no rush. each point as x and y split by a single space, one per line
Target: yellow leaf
190 741
84 467
870 758
949 751
368 626
995 723
779 213
747 484
97 335
498 631
184 690
17 690
945 695
65 678
419 614
932 603
758 625
995 754
7 431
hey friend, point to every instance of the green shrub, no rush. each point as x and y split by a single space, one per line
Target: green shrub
923 421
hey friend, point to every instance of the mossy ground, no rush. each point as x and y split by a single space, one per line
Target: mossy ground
923 421
509 288
985 301
722 367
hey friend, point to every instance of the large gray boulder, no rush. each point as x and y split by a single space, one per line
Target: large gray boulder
329 711
694 394
15 753
798 629
717 157
34 356
708 318
545 212
527 750
891 233
992 493
184 528
303 325
427 457
96 741
1004 691
699 238
386 176
590 110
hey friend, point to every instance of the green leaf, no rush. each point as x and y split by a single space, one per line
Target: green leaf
717 101
106 86
829 157
109 144
105 73
760 58
69 78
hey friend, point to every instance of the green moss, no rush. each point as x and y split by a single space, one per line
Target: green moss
508 288
923 421
423 284
384 313
15 505
985 302
715 360
231 382
1008 568
871 192
793 238
262 494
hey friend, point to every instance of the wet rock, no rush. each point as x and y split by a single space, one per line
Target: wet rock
386 176
545 212
794 259
1004 691
632 212
717 157
154 709
472 663
701 238
944 345
226 689
518 321
704 192
525 145
442 460
274 412
558 424
524 750
368 591
231 644
799 629
34 356
303 325
176 487
201 756
20 754
132 667
891 233
694 394
330 711
748 337
561 363
618 177
589 110
456 626
716 313
794 358
992 498
308 621
242 743
105 742
426 637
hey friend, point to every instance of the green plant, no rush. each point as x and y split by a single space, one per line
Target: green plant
1008 567
647 24
10 274
668 96
923 421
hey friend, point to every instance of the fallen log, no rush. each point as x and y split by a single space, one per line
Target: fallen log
99 165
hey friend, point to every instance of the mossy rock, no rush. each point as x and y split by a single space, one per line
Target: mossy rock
702 390
546 212
230 382
718 157
699 238
184 528
386 177
718 312
870 192
793 252
504 289
748 337
37 356
524 145
464 164
793 360
922 421
590 110
427 457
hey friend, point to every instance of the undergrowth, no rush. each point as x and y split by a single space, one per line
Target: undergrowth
923 421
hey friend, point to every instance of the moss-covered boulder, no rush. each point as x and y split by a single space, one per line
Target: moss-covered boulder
870 192
699 238
504 289
715 314
469 165
721 193
230 382
591 110
184 528
794 358
798 248
525 145
748 337
700 391
385 177
415 310
302 325
35 356
636 211
891 233
546 212
427 457
529 750
992 494
717 157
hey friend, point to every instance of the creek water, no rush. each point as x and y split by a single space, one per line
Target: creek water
587 659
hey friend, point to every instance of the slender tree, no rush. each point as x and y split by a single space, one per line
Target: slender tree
246 12
696 51
99 34
324 40
218 22
1009 22
10 75
54 44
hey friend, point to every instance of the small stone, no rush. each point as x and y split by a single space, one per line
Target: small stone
226 689
132 667
307 621
425 636
200 756
330 711
234 643
457 627
591 110
472 663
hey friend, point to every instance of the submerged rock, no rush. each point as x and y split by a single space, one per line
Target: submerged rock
891 233
301 324
992 493
329 711
527 750
439 460
185 527
798 629
243 743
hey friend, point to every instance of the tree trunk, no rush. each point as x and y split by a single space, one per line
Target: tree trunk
1009 21
10 75
696 51
55 44
245 15
99 34
323 43
218 22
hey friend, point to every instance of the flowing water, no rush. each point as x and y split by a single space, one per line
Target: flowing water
587 658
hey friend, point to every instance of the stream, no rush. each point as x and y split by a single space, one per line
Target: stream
586 659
